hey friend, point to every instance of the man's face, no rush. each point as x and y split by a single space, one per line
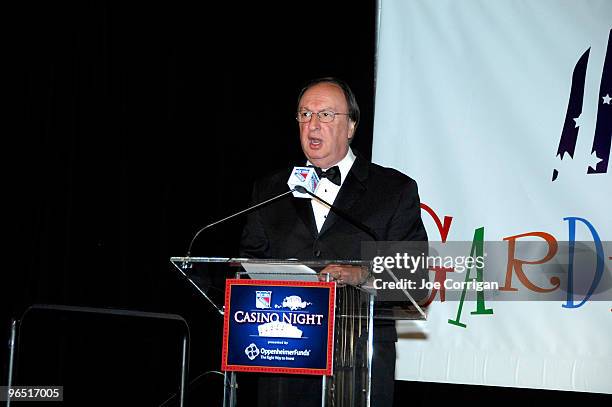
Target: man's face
325 144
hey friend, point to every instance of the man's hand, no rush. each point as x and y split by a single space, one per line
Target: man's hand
351 275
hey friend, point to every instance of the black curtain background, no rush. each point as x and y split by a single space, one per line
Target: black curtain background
138 123
135 124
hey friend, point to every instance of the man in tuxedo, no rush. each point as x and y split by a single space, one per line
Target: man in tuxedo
383 199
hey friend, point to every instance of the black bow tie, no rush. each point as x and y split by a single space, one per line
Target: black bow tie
332 174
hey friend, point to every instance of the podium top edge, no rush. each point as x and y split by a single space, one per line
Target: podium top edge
241 260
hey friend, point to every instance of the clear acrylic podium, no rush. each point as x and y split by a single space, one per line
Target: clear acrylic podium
350 383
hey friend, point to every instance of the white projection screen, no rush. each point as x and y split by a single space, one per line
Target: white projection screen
501 111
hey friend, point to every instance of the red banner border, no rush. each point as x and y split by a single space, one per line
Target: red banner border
328 371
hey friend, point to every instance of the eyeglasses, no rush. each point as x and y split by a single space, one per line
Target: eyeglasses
325 116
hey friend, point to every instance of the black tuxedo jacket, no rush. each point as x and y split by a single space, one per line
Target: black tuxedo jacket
383 199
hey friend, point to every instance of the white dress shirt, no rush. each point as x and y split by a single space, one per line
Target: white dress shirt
328 191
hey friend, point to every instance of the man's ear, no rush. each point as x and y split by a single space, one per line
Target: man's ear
351 129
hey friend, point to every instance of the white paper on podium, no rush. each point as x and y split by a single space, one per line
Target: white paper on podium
290 272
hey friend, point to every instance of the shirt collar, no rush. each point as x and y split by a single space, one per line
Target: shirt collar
344 165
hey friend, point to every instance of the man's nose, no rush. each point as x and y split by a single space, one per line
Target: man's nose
314 122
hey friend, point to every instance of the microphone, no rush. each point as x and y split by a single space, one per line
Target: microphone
339 212
249 209
305 177
186 264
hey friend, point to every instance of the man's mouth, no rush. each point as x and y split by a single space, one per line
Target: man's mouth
315 142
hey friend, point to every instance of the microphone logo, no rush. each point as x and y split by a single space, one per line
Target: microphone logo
305 177
301 173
